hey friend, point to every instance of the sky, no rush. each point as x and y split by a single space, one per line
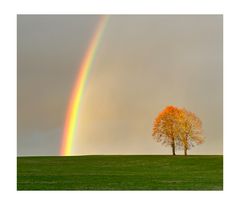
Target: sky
143 64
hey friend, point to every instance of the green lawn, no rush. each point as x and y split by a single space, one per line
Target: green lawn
116 172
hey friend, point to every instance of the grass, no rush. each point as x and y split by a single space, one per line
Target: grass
120 172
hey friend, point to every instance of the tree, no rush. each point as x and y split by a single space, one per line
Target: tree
178 128
190 130
165 127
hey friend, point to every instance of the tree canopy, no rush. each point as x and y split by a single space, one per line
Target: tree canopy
178 128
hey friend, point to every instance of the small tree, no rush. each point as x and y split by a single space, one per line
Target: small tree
165 127
190 130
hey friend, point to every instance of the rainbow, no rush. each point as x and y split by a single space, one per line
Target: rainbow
71 120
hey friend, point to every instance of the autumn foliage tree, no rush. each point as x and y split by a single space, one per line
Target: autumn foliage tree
165 130
178 128
190 131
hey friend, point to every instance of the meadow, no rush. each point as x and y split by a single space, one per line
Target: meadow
121 172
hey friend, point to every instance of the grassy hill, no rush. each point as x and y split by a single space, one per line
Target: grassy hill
120 172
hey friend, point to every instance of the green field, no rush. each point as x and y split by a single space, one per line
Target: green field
120 172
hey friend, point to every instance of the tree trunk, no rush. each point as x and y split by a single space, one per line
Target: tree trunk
186 145
173 148
185 151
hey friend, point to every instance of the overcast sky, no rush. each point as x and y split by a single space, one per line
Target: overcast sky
143 64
